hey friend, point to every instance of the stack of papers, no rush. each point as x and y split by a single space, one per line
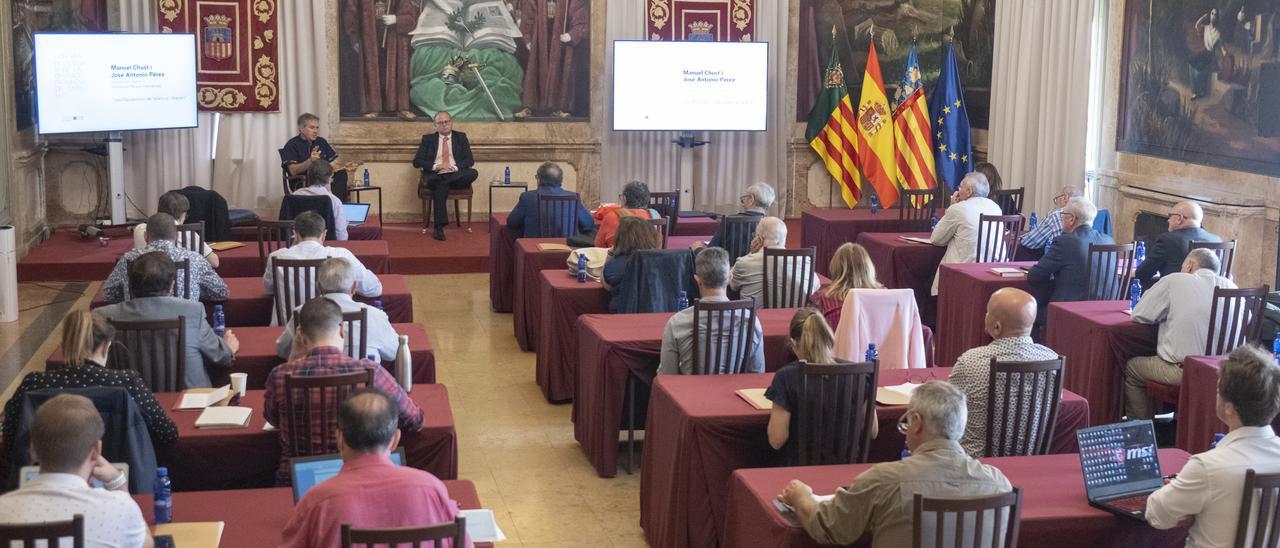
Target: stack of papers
224 417
895 395
200 398
207 534
915 239
481 526
755 397
1007 272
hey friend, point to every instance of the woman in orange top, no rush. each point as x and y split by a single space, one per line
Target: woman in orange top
635 202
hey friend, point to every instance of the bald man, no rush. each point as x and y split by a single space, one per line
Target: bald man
1165 256
1011 313
748 273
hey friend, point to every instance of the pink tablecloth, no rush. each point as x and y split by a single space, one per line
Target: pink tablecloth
563 300
1097 338
963 291
696 226
702 431
502 241
529 262
1055 512
905 265
828 228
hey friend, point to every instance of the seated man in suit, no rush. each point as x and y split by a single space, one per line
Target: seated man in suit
308 243
308 148
1050 225
1062 275
1180 302
162 235
447 164
711 269
958 228
1166 254
754 202
176 205
336 280
151 280
526 218
748 273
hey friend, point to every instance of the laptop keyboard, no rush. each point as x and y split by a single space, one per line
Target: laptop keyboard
1133 505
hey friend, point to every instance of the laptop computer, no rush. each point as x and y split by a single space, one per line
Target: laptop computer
308 472
1121 466
356 213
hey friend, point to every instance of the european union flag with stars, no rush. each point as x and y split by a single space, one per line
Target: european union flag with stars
951 147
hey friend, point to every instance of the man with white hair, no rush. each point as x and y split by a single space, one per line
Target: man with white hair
1180 302
880 500
958 229
711 272
1166 254
1050 226
754 202
1062 275
336 279
748 273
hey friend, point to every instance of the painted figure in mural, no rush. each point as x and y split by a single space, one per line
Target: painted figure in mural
1203 63
554 33
379 32
464 60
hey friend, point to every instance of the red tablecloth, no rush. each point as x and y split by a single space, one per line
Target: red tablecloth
563 300
1055 511
502 241
702 431
248 457
244 261
1097 338
905 265
369 230
257 355
250 305
828 228
963 292
529 262
260 522
1197 400
696 226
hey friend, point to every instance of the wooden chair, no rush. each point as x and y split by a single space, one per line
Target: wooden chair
156 349
997 236
837 403
963 522
1022 407
357 339
1110 269
917 208
295 284
182 279
289 182
1259 525
1009 200
720 348
191 237
557 215
1226 252
788 277
273 235
456 196
29 535
413 536
318 397
667 204
663 228
739 230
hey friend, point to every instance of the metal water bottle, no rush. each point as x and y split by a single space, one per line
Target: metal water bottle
506 176
219 321
366 176
1139 253
1135 293
1032 222
682 301
582 268
404 365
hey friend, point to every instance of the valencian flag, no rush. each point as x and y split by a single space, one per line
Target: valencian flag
830 131
951 148
875 133
911 131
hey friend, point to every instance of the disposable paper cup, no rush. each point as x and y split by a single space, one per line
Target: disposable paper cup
239 382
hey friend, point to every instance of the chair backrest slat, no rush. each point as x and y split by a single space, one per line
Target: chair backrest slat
557 215
1022 407
29 535
917 208
316 398
357 339
837 403
413 536
295 284
1235 318
667 204
191 236
1110 269
156 349
1009 200
1258 525
948 520
722 334
739 230
660 224
788 277
997 234
273 235
1226 252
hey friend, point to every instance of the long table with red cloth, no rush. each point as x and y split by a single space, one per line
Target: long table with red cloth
700 431
502 242
370 229
257 355
248 304
963 292
1097 338
700 226
257 517
231 458
905 265
244 261
828 228
1197 400
1055 512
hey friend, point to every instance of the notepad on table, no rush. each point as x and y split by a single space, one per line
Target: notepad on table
915 239
547 246
1007 272
895 395
224 417
200 398
223 246
200 534
755 397
790 512
481 526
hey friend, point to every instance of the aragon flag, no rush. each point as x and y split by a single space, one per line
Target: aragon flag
912 131
874 126
830 131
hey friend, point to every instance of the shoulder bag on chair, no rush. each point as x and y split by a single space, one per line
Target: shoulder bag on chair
596 256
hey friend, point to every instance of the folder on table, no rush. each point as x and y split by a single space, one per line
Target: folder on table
546 246
1007 272
915 239
223 246
200 398
224 417
755 397
204 534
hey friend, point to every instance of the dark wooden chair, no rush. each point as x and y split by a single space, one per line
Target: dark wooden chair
413 536
739 230
289 182
273 235
557 215
191 237
1022 407
318 398
1110 269
1009 200
357 339
663 229
997 236
182 279
788 265
29 535
964 522
1259 525
917 208
721 347
1226 252
156 349
295 284
456 196
667 204
837 403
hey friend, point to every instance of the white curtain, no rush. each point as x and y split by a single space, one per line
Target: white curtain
1040 95
733 160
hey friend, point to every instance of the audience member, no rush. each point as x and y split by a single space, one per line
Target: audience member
176 205
747 276
988 170
1180 303
1207 492
162 235
880 500
635 203
958 228
754 202
1050 226
319 176
151 280
317 350
370 492
526 217
1062 275
66 439
336 280
1165 255
711 272
851 268
634 234
308 243
1011 313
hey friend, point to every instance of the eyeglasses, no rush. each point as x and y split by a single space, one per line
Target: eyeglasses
1178 215
904 423
921 379
444 122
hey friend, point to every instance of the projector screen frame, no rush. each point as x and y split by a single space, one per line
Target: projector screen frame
35 72
613 99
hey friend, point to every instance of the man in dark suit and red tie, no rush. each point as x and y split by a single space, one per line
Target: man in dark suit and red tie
447 164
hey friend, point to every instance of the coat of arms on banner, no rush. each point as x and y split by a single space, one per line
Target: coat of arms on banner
702 20
236 69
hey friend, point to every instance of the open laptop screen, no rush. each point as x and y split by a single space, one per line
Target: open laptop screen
355 213
308 472
1119 459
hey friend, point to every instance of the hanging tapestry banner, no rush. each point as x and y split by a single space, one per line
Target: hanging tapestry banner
702 20
237 54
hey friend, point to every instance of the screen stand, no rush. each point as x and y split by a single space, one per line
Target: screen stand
115 175
684 166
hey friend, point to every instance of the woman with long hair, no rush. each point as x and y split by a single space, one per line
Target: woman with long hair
634 234
851 268
988 170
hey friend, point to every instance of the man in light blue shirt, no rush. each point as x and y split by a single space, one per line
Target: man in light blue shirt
711 271
1050 226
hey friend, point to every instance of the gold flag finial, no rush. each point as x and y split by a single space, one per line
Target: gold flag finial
833 31
872 31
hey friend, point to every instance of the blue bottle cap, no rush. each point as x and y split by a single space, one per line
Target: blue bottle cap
162 470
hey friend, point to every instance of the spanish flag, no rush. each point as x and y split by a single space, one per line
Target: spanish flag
830 131
874 127
913 132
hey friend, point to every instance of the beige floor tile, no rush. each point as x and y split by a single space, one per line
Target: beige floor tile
553 525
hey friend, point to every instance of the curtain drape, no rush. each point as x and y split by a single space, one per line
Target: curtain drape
1040 96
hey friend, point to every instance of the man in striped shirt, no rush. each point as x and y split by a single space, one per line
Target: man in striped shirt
1050 226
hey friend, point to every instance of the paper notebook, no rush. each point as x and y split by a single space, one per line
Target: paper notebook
895 395
790 512
205 534
915 240
200 398
755 397
1007 272
223 246
481 526
224 417
546 246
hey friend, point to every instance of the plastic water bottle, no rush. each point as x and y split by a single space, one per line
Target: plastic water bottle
582 268
1135 293
1275 347
219 321
933 222
1139 253
1217 438
1032 222
906 450
164 497
872 353
404 365
875 204
682 302
377 303
506 176
366 177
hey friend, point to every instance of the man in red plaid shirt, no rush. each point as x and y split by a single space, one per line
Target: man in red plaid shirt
317 351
